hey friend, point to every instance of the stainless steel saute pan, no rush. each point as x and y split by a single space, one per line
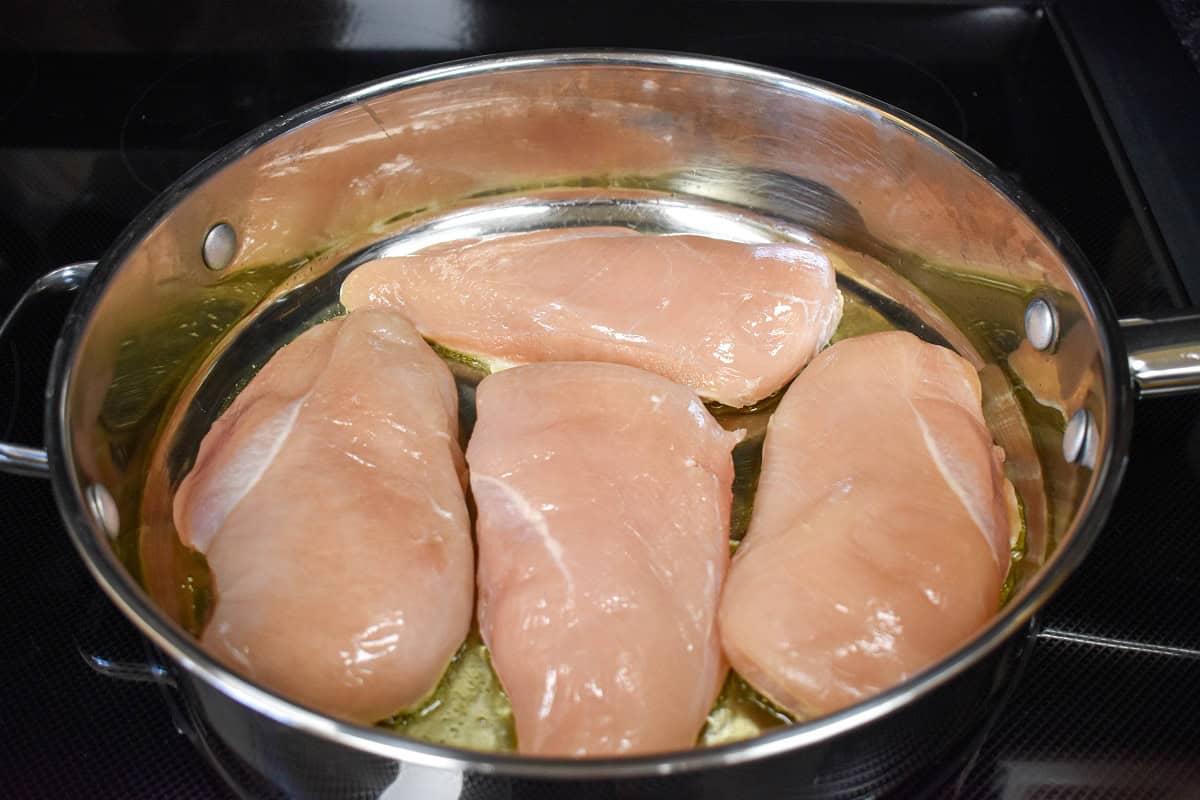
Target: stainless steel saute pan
251 245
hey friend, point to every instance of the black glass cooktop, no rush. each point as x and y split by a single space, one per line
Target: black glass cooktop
1085 105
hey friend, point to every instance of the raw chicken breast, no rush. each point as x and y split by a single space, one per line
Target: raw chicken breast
733 321
603 494
881 528
329 501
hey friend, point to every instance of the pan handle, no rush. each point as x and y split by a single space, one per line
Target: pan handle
17 459
1164 353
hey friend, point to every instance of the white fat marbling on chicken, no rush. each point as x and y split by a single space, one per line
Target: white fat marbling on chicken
533 517
241 474
952 478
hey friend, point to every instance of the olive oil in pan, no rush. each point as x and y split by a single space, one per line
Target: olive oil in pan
468 708
153 356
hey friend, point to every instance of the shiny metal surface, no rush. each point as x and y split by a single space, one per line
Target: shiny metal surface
104 509
1041 324
326 181
1079 439
220 246
1164 353
18 459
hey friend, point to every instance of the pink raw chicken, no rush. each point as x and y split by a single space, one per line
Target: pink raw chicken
329 501
603 494
881 528
733 321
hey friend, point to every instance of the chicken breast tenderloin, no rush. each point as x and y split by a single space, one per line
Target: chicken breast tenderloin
881 528
329 501
603 495
733 321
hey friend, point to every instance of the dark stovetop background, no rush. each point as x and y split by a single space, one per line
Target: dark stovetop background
1093 110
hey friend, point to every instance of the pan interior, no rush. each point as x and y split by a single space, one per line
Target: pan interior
469 708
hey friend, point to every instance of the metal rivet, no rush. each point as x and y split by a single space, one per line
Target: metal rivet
1079 439
104 509
220 246
1041 324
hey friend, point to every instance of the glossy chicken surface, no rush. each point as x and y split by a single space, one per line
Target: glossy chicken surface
329 502
881 528
603 496
733 321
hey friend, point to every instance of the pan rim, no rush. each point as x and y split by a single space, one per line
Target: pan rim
181 647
